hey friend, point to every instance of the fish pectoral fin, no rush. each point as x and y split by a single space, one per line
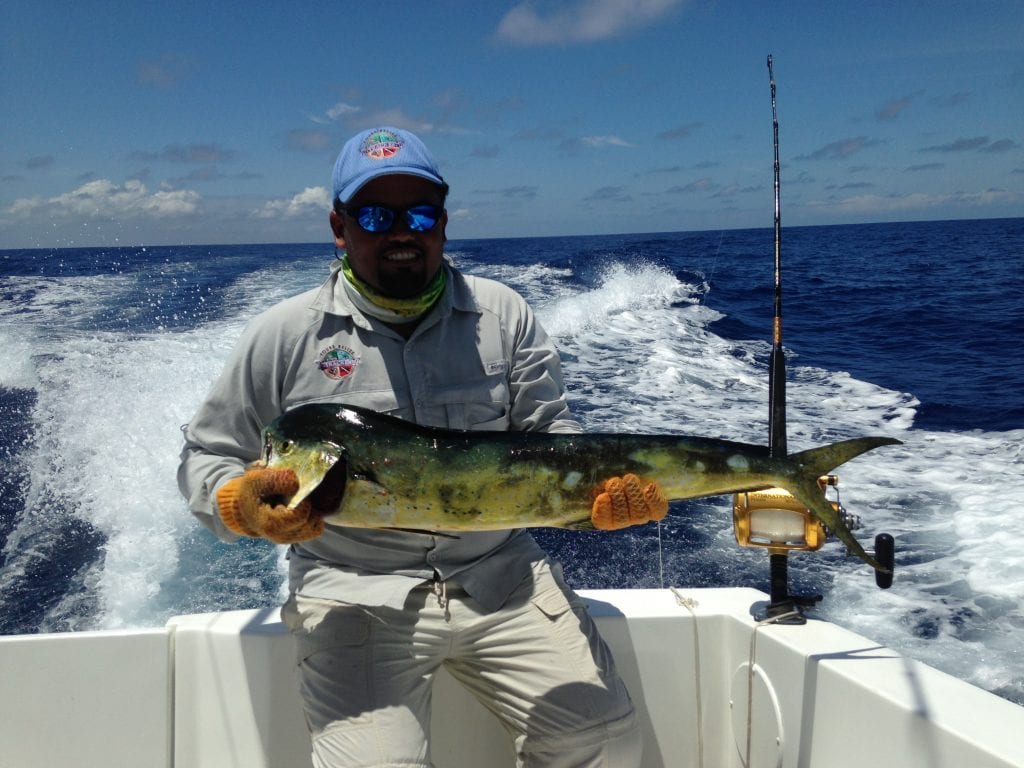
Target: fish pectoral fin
580 525
438 534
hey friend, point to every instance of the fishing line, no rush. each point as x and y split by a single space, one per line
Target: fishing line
710 276
691 605
751 670
661 560
714 266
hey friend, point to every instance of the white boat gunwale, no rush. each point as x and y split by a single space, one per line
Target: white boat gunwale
218 690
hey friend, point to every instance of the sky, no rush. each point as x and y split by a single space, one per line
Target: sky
150 123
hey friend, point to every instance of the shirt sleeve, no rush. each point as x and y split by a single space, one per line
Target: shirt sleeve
537 388
225 435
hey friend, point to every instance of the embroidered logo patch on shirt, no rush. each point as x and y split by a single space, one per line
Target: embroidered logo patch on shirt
338 362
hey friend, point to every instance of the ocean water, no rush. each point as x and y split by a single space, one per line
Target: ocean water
908 330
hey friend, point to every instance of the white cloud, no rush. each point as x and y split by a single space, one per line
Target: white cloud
25 206
398 118
916 201
341 109
103 198
358 118
166 72
605 141
583 21
310 201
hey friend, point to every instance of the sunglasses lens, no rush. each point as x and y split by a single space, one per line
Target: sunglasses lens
378 218
375 218
422 218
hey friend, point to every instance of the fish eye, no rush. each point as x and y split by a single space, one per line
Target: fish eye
286 447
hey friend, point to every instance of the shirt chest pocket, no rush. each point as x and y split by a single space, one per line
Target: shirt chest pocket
479 403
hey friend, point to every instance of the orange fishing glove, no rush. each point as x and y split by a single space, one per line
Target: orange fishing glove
626 501
255 504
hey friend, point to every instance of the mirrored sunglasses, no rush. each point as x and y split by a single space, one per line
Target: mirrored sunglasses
380 218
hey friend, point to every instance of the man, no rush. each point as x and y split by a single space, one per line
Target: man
397 329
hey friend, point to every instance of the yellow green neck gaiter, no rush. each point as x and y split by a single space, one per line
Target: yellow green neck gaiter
388 308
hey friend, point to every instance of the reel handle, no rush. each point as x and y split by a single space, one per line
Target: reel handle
885 553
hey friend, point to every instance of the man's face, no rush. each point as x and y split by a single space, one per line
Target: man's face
400 262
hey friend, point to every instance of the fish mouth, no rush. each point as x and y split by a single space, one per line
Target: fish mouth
325 498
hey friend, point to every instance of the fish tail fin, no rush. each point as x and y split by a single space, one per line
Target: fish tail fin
812 464
820 461
809 493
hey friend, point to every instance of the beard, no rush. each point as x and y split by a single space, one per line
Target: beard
404 283
405 279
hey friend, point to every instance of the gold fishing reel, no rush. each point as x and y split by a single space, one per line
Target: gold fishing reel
776 520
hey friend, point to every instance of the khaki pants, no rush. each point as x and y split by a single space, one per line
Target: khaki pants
538 664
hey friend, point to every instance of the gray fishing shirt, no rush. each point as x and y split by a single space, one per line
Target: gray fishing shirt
478 360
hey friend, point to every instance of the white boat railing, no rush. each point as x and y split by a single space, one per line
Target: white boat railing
217 690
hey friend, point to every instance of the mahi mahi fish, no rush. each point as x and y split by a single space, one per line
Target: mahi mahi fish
378 471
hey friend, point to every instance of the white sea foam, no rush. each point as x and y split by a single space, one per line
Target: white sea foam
641 355
16 350
112 423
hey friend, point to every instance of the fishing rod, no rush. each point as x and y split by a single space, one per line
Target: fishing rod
782 602
788 524
777 361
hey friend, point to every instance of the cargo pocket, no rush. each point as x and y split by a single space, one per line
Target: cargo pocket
345 626
335 665
571 624
553 603
568 616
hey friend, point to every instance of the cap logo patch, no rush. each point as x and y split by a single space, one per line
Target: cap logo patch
338 362
380 145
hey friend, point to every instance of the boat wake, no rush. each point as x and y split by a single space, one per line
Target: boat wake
97 376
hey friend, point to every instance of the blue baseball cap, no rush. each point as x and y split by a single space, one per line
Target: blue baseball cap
379 152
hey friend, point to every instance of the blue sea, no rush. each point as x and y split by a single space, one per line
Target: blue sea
912 330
